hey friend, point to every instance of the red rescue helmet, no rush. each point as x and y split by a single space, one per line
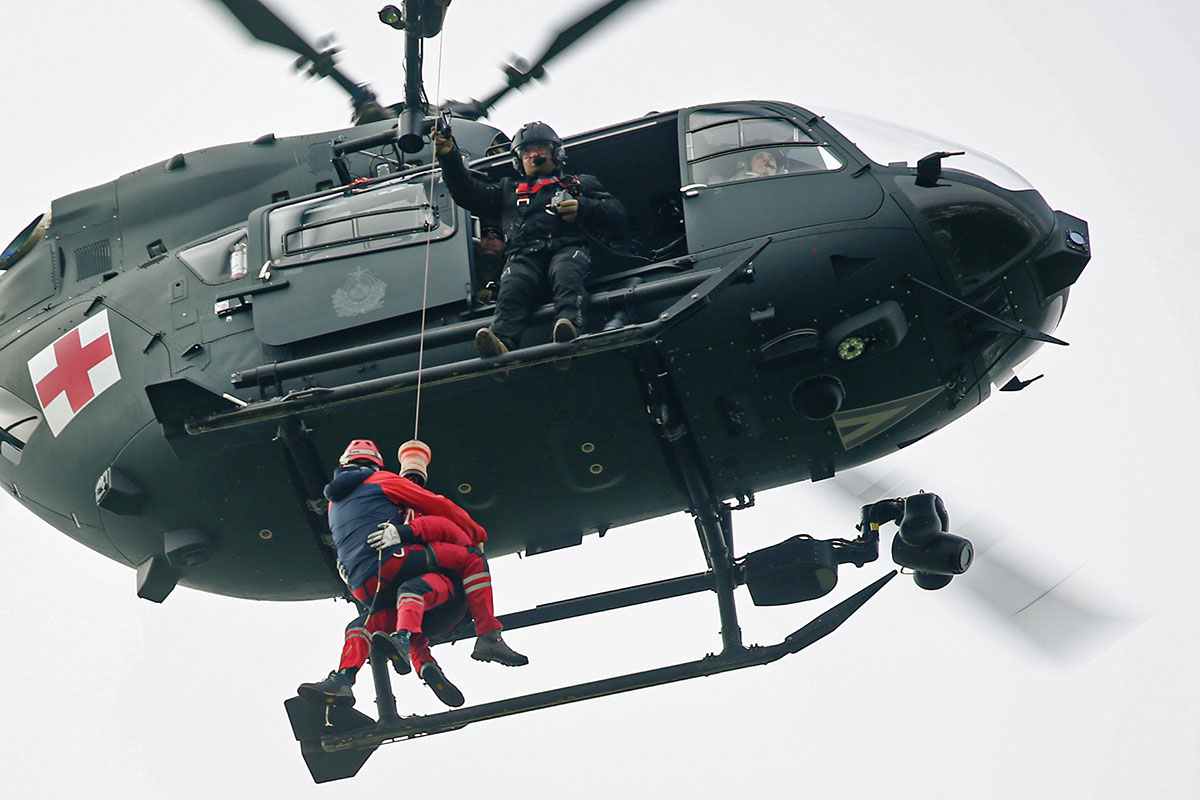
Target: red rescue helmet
361 449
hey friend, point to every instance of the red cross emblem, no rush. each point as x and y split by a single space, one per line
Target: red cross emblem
74 370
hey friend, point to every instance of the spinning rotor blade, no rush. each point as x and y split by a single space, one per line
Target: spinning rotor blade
264 25
1048 614
521 72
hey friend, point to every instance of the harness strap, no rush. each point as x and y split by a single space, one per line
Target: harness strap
526 190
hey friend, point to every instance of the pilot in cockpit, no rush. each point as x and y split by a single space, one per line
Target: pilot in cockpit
764 162
761 164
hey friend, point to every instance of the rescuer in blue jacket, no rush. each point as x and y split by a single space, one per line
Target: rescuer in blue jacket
403 550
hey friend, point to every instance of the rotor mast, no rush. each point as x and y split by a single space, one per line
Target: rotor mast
419 19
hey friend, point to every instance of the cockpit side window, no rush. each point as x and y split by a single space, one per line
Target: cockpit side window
708 137
722 150
24 241
218 260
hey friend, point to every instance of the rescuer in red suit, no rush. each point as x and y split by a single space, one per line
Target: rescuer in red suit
403 549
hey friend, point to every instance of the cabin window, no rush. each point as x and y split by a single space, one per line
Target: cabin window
218 260
18 421
24 241
722 150
394 214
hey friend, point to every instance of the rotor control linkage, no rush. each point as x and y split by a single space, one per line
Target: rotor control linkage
924 543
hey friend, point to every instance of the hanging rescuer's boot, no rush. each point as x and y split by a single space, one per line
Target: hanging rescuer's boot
436 680
490 647
333 690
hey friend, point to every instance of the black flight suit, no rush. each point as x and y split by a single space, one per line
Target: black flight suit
545 255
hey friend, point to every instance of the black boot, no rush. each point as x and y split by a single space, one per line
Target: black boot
488 344
564 331
446 691
490 647
333 690
394 646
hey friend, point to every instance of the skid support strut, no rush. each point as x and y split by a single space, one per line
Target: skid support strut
713 519
385 701
715 529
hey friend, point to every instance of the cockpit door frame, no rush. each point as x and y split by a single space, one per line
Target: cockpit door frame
737 208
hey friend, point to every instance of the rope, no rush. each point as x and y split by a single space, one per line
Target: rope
428 248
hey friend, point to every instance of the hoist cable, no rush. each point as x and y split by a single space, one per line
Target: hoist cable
428 242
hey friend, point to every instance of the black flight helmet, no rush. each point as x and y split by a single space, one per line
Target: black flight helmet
537 133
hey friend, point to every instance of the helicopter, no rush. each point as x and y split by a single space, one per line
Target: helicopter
867 305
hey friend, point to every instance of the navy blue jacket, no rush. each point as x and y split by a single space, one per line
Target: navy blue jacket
362 498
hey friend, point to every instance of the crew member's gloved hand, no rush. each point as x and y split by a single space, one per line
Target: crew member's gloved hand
389 535
442 145
568 210
488 293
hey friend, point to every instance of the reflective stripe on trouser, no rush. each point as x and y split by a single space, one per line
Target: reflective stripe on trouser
357 645
470 567
358 641
357 648
417 594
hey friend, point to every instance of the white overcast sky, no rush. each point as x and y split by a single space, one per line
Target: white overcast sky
1091 471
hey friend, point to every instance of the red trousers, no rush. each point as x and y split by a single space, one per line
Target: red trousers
417 594
414 596
467 564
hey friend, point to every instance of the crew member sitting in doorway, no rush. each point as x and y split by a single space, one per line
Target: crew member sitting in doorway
548 217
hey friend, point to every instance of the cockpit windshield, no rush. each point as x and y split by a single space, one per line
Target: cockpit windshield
887 143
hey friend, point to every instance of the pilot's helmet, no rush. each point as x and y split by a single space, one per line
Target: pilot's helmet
537 133
361 450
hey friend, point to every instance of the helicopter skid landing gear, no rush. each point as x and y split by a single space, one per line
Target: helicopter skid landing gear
338 743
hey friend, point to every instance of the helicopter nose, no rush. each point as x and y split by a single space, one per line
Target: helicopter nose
1066 252
983 231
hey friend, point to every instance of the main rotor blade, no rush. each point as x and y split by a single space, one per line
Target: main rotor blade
1060 622
520 74
264 25
1063 625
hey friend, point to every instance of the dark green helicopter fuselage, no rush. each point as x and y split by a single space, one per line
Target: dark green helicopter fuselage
879 305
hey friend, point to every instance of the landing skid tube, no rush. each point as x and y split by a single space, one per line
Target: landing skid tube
365 738
709 665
